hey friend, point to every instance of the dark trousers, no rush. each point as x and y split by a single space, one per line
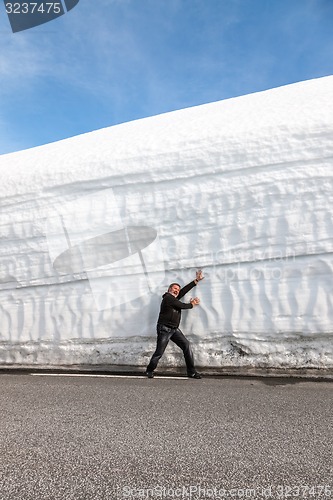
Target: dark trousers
164 334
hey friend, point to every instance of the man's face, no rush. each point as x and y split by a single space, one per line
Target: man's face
174 290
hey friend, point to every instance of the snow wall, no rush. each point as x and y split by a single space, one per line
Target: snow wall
94 228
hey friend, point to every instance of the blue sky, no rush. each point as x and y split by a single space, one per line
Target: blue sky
111 61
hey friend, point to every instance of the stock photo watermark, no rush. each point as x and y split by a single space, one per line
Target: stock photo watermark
123 257
198 492
90 236
228 267
24 15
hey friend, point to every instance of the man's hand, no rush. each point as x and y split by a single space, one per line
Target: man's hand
195 301
198 276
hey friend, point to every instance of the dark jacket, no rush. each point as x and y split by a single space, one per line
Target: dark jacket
170 312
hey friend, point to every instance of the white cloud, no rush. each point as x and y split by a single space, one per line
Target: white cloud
18 59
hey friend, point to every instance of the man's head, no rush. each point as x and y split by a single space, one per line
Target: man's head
174 289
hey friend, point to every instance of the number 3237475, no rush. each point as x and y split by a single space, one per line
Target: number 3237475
33 8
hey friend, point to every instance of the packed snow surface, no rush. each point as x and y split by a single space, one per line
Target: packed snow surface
94 228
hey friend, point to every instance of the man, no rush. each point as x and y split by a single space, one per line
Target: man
168 323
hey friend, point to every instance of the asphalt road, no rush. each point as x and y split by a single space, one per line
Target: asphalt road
66 437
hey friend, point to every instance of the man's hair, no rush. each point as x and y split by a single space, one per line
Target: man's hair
173 284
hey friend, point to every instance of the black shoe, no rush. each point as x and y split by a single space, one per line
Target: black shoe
194 375
149 374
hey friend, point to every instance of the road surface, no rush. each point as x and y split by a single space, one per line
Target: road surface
96 437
